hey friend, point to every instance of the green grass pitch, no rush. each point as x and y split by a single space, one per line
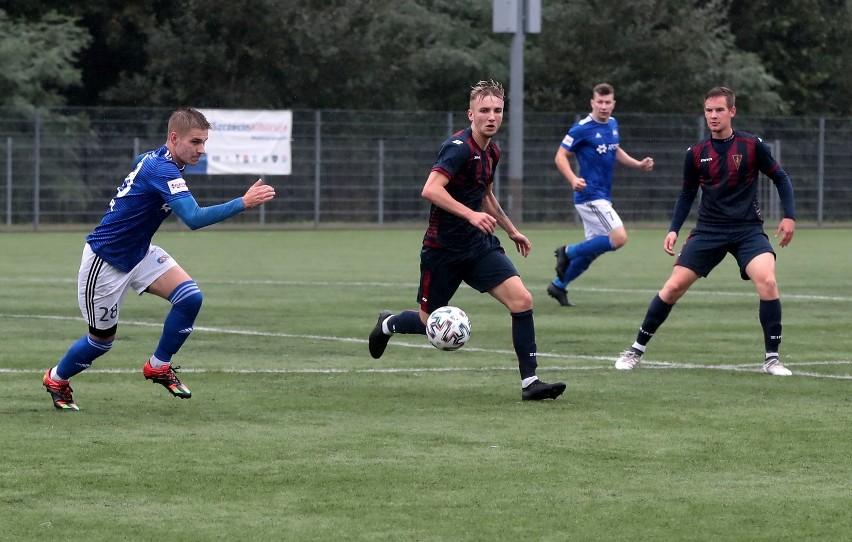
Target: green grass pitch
295 433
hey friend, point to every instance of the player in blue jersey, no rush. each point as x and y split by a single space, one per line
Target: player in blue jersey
460 245
725 167
595 142
119 256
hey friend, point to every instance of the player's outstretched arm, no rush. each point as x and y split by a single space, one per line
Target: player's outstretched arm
196 217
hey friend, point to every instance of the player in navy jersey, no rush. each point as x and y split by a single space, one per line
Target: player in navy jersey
460 245
725 167
596 144
119 256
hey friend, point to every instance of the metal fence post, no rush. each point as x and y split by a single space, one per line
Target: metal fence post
8 181
37 168
381 195
821 171
317 165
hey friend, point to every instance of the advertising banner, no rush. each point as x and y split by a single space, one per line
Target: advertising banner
249 141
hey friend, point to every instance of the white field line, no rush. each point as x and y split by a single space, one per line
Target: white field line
378 284
604 362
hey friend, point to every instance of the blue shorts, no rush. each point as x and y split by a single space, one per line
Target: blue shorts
704 249
442 272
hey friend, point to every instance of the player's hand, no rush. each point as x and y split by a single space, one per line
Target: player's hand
646 164
669 243
258 194
483 222
579 184
521 243
786 229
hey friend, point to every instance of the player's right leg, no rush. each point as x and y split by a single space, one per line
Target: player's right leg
100 294
439 280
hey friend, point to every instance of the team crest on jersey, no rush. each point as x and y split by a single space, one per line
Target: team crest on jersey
177 185
738 159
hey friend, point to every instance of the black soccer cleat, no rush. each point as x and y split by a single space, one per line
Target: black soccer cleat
562 262
538 391
378 339
559 295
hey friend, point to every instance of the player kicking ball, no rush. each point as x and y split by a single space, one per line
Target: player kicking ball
119 257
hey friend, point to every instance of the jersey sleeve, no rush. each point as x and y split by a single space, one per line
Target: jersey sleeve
187 209
573 138
772 169
687 193
452 157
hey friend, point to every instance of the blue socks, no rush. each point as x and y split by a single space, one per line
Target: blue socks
576 268
582 255
186 303
80 356
591 248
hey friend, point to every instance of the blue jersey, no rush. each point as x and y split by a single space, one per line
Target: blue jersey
594 144
471 173
139 207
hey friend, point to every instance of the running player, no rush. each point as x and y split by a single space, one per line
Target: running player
596 143
460 245
118 256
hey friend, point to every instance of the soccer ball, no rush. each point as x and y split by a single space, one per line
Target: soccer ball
448 328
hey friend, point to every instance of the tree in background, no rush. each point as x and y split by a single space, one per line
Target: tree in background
661 56
785 56
805 44
37 59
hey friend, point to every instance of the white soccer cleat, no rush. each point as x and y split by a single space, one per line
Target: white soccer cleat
775 368
628 359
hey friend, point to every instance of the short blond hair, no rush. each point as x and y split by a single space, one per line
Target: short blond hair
487 88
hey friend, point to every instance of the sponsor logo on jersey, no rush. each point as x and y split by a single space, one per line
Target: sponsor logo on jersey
706 160
177 186
163 258
458 142
568 141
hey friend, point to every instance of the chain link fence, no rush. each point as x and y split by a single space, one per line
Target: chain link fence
61 166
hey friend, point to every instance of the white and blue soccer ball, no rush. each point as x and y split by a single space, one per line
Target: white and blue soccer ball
448 328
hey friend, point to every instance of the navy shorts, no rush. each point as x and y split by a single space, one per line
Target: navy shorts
442 272
704 249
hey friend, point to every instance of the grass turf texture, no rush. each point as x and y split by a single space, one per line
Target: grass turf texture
295 433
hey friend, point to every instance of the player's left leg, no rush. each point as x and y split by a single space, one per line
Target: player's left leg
176 286
514 295
761 271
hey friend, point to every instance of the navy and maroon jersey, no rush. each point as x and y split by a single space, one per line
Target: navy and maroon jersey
727 171
471 173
